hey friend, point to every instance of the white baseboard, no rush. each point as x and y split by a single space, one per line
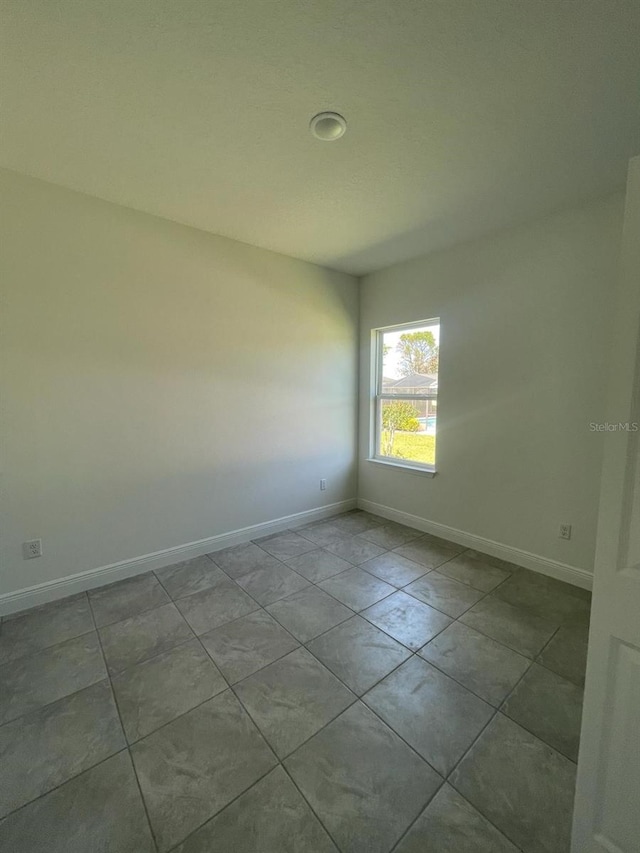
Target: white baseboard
43 593
552 568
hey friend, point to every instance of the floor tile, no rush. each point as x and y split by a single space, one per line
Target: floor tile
272 583
100 810
391 535
450 824
476 573
550 707
429 551
511 568
246 645
449 596
394 569
354 549
190 576
362 781
324 534
212 607
546 597
271 817
242 559
407 620
377 519
355 522
358 653
292 698
566 653
126 598
356 588
24 633
30 683
285 545
521 631
524 787
159 690
433 713
481 664
309 613
318 565
140 637
194 766
42 750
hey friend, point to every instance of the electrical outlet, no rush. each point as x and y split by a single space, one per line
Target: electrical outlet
32 549
565 531
323 485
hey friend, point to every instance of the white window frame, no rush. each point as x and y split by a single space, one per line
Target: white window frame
377 337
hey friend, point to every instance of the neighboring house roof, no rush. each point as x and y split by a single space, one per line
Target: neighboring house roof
415 380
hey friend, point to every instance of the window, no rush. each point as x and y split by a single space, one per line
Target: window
406 394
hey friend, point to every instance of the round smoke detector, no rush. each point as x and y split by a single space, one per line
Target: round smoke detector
328 126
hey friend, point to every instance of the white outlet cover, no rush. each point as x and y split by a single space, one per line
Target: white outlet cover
565 531
32 549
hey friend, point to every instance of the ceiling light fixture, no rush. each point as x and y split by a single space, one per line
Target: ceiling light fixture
328 126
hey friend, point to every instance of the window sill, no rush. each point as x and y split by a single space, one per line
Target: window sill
410 469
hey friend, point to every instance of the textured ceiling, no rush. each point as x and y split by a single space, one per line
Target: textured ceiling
464 115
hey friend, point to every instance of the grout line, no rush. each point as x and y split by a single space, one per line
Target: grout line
66 695
511 692
484 817
489 637
37 651
362 609
280 762
126 740
311 639
396 733
300 643
346 619
306 740
369 689
450 782
225 807
229 685
39 708
66 782
140 613
119 672
240 680
469 749
517 722
497 711
357 698
412 650
559 674
310 806
178 717
47 605
457 681
454 618
387 725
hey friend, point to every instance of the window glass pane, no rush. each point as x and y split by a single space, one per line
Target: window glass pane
407 430
406 426
410 360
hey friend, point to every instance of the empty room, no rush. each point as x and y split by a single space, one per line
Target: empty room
319 420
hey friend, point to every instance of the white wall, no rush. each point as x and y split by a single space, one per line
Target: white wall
524 342
161 385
